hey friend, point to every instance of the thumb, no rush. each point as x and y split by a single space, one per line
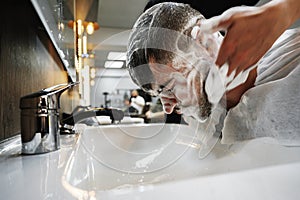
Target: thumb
223 21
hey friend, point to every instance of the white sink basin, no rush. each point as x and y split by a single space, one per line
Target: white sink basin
122 157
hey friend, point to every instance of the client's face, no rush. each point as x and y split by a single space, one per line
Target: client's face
180 83
189 55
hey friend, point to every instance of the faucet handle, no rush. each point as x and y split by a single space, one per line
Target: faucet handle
47 98
114 114
69 120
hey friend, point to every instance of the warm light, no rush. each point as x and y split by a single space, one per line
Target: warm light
90 28
78 63
93 70
93 73
92 82
85 71
61 26
79 47
80 27
84 40
71 24
113 64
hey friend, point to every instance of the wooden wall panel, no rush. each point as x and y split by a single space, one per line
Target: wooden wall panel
28 61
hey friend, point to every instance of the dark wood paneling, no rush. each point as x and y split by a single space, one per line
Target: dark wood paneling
28 61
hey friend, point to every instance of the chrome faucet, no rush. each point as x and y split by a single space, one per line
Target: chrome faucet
40 124
40 119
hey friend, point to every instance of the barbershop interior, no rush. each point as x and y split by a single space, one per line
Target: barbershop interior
132 99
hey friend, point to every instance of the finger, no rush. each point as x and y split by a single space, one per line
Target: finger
244 61
221 22
246 66
237 61
214 24
223 55
227 48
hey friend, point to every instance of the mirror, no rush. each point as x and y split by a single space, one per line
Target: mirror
115 22
54 15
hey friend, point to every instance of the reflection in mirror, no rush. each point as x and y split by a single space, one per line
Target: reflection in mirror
55 15
69 23
84 25
100 51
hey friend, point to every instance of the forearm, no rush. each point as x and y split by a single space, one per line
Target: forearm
288 10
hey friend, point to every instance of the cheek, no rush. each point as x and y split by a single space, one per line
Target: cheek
212 48
182 93
188 92
181 88
186 96
211 44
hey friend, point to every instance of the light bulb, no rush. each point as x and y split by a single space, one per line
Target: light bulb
90 28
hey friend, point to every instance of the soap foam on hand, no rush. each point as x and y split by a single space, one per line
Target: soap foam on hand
218 23
215 85
218 83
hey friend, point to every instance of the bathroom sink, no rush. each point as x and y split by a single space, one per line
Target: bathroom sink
126 156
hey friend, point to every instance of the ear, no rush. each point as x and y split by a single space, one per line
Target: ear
168 104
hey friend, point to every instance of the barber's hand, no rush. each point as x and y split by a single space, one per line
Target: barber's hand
250 32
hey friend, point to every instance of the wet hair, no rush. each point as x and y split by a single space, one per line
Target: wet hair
153 37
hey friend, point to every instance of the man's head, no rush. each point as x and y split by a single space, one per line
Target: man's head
170 57
134 93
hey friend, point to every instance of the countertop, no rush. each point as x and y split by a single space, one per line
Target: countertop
37 177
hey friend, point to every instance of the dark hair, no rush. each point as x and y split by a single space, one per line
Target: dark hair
149 29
